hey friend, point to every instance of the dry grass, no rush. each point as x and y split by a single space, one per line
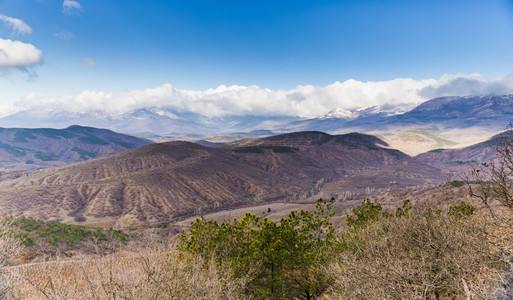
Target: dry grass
148 275
420 257
273 211
9 248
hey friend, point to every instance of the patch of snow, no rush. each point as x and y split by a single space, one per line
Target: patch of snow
340 113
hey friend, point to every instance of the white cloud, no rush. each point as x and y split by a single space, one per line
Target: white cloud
18 55
18 26
473 84
89 62
65 35
70 6
304 100
8 109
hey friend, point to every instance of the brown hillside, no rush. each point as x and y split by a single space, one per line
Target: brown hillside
162 182
481 152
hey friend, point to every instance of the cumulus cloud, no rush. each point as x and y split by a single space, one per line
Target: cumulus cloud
70 6
303 101
65 35
89 62
17 25
8 109
18 55
473 84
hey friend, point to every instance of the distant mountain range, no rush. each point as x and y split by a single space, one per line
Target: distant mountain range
151 120
490 113
493 113
22 148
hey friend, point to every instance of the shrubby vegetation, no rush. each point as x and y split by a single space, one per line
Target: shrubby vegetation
148 274
55 233
404 254
9 248
456 183
446 253
281 259
412 255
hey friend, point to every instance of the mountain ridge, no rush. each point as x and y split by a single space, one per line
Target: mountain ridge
492 112
23 148
163 182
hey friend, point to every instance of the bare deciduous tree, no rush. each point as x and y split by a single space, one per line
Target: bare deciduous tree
9 248
492 181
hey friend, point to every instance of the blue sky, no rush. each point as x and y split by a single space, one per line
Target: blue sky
122 46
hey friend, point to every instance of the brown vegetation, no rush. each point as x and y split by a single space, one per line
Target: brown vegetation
163 182
419 257
418 253
440 248
145 275
9 248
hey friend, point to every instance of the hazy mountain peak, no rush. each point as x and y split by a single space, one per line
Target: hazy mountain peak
340 113
492 112
467 103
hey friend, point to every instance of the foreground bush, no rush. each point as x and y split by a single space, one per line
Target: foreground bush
417 256
282 259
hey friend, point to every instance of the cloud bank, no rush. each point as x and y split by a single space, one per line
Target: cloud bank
474 84
18 26
303 101
18 55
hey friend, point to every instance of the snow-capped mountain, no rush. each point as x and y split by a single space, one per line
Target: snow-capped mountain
340 113
156 120
490 112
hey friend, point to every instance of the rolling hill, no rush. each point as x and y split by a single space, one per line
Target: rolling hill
168 181
23 148
477 153
413 142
